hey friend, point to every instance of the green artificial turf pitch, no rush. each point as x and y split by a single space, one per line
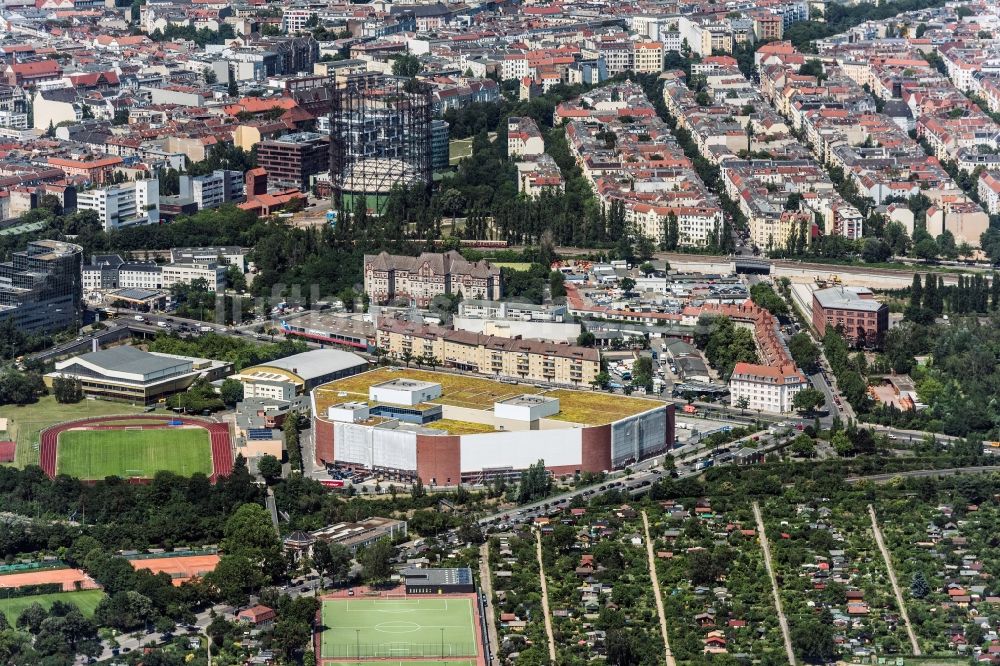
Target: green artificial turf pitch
387 628
85 600
95 454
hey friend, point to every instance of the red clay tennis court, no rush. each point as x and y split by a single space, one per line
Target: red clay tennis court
182 568
70 579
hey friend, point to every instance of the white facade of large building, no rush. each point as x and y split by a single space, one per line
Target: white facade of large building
124 205
766 388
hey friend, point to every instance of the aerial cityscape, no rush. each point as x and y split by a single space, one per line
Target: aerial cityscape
499 332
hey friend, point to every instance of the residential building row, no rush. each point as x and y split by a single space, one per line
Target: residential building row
629 156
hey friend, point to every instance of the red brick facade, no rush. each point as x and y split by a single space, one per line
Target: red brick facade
323 435
439 459
596 445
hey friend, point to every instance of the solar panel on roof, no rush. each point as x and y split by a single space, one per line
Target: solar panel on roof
260 433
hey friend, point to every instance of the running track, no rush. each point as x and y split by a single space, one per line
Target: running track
222 451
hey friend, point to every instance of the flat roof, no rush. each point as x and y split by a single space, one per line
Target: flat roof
847 298
455 576
527 400
581 407
404 384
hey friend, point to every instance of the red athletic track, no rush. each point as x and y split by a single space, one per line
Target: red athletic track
222 451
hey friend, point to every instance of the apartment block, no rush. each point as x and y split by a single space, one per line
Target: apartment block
766 388
213 190
125 205
523 138
490 355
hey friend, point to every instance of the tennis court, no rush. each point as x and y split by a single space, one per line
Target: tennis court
387 628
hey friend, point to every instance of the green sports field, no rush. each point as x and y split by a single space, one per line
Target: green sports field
387 628
85 600
95 454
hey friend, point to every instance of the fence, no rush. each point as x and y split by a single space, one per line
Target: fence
30 590
21 567
351 650
173 553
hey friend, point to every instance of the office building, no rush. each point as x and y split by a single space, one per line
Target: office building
40 287
291 160
124 205
213 273
440 147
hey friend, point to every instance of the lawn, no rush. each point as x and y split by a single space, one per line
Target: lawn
413 627
95 454
26 421
85 600
457 390
596 407
454 427
458 149
512 265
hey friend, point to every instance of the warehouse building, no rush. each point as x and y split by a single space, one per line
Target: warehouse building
285 378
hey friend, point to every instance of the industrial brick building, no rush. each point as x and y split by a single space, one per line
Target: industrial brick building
853 309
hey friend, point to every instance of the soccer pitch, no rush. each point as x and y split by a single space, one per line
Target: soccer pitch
95 454
387 628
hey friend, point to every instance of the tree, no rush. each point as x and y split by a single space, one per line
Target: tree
231 391
210 77
813 640
804 352
376 561
31 618
233 89
918 586
451 201
406 65
67 390
916 292
249 533
926 249
586 339
627 284
808 400
125 610
842 444
804 445
269 467
671 232
235 578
